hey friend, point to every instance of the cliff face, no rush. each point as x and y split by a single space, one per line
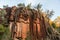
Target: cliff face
27 20
23 20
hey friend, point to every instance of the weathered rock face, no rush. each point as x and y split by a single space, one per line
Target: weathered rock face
27 20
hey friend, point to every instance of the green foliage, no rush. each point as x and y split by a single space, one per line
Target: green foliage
58 29
5 6
2 29
7 34
29 6
49 13
53 25
39 6
49 30
4 33
21 5
2 14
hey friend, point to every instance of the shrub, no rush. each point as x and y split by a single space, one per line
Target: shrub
53 25
2 29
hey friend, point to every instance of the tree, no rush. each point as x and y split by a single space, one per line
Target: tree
53 25
49 14
21 5
2 13
39 6
29 6
5 6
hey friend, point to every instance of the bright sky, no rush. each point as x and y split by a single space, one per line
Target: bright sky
46 4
